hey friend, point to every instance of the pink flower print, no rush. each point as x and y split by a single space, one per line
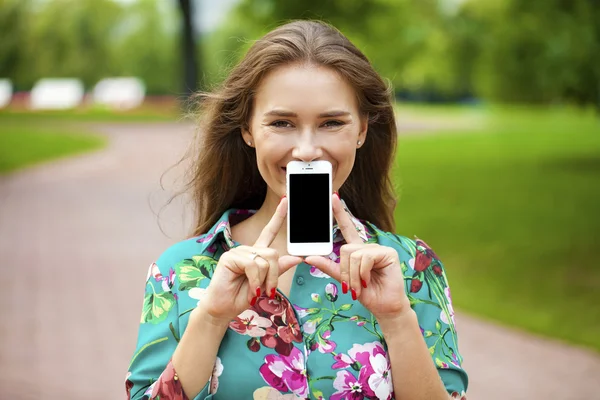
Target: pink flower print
309 327
363 352
317 273
455 361
374 366
331 291
217 371
289 330
342 361
251 324
286 373
167 282
267 306
205 238
380 380
302 312
443 314
349 387
326 345
154 272
459 396
284 331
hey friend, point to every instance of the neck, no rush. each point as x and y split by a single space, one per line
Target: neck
266 212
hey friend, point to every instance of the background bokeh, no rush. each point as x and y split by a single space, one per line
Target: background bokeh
498 169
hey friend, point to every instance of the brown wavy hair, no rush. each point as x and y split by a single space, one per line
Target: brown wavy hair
224 173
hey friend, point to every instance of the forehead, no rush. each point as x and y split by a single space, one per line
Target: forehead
304 89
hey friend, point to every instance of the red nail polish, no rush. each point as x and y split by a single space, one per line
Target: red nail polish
257 292
253 302
344 287
354 297
272 293
364 283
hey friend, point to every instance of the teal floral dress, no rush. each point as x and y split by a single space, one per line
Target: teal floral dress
317 343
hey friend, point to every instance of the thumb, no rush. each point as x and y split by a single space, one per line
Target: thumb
287 262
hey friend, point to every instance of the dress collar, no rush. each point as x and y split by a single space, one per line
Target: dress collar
222 229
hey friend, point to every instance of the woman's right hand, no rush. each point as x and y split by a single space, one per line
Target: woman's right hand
245 272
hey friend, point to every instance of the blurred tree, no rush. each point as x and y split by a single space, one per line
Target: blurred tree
70 39
537 51
189 49
13 27
145 45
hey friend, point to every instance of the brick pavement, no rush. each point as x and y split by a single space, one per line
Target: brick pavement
76 237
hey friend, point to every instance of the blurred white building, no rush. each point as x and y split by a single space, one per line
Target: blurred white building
6 90
119 93
56 94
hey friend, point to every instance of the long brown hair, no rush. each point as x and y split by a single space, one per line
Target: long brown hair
224 173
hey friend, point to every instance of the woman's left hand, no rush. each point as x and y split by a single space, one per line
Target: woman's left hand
371 272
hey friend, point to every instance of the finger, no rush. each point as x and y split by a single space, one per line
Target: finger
325 265
344 222
248 267
273 272
354 272
263 271
287 262
270 230
345 252
366 266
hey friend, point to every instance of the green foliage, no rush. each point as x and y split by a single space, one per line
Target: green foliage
90 40
536 51
512 211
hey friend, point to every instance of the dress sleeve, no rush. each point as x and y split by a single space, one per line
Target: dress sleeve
151 374
429 294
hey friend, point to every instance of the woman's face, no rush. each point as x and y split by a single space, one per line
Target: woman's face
304 113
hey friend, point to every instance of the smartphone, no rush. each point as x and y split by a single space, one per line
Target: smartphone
310 220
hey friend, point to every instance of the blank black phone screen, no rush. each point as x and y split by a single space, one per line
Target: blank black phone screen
309 208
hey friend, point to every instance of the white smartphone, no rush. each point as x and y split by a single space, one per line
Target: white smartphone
310 220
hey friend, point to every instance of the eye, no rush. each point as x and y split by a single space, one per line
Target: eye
333 124
281 124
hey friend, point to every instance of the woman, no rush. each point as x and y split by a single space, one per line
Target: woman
229 315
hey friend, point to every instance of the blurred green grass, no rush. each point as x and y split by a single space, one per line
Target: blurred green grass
155 113
22 145
30 137
513 210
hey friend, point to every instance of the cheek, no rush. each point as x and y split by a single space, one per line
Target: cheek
344 157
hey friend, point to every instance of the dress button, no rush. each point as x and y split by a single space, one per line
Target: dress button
300 280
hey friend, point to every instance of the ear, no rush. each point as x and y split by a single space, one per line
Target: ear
364 127
247 136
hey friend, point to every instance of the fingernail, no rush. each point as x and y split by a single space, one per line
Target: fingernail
282 197
364 283
354 297
253 302
344 287
337 194
272 293
257 292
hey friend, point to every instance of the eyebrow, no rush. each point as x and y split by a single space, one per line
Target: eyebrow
328 114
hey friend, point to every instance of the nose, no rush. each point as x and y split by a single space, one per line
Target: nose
307 149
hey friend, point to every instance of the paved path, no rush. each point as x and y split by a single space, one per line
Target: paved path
76 237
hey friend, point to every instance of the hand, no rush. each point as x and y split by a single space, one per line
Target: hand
371 272
245 272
